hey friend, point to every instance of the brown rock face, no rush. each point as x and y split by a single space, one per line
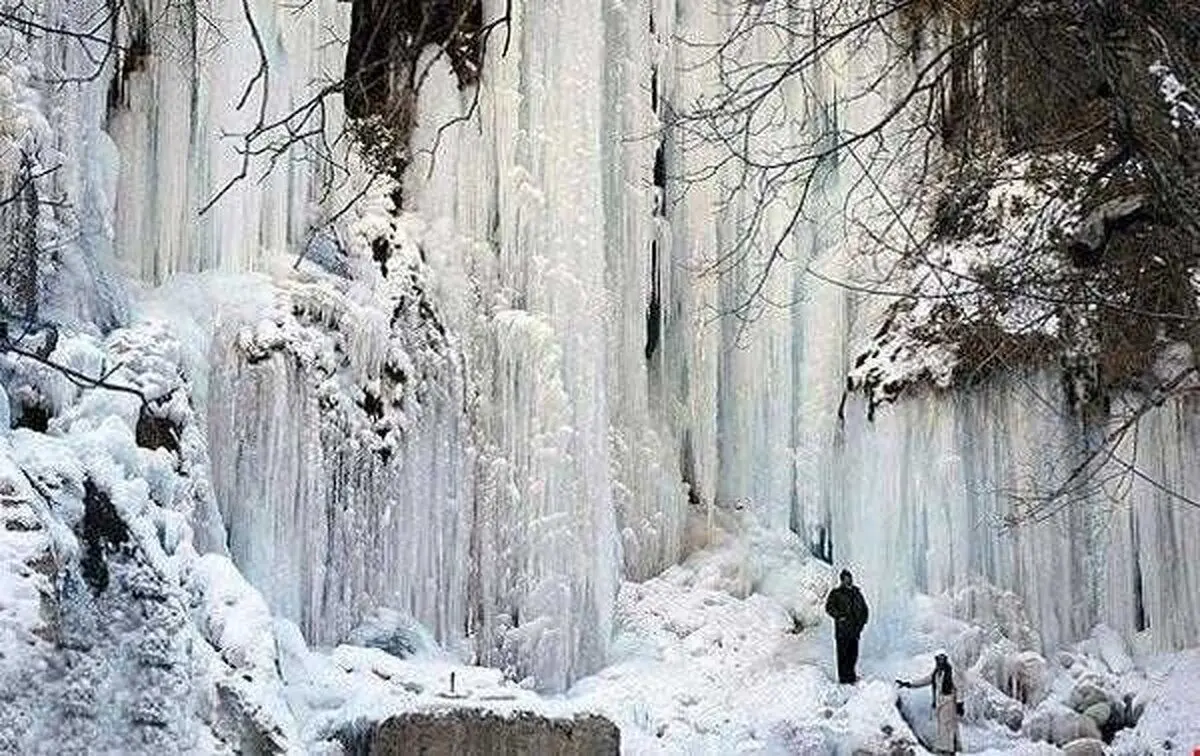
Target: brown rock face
471 732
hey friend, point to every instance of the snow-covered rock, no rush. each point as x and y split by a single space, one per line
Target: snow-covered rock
98 538
1058 724
1084 747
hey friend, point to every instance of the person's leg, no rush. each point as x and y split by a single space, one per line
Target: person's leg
946 720
852 658
844 667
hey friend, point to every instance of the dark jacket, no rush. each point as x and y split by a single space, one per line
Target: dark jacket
848 609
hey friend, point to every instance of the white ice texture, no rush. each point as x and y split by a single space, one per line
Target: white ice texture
486 437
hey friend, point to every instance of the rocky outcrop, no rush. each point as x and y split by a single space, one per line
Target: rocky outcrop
382 78
467 732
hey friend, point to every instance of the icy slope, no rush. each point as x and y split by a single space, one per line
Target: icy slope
108 642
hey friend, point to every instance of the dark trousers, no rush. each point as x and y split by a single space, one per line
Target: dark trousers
847 656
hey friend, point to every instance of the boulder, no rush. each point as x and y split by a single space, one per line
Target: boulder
1072 727
990 703
475 732
1099 712
393 632
1025 677
1084 747
1086 694
1055 723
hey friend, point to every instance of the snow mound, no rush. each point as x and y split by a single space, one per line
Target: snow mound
719 655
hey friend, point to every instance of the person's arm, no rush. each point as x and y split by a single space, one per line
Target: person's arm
832 607
918 683
864 613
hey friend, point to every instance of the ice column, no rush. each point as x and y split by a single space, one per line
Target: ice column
189 85
553 185
327 527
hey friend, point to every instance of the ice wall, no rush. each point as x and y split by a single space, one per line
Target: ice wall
751 410
330 510
578 475
53 151
318 521
340 443
919 500
190 84
607 366
603 395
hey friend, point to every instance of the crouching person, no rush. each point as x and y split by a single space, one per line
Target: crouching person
946 706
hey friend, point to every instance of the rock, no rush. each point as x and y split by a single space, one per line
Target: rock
1086 694
1059 725
990 703
1099 712
1072 727
1084 747
243 718
474 732
1097 227
1132 709
393 632
1025 677
1007 712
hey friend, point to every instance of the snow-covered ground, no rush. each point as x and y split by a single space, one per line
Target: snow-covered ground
728 653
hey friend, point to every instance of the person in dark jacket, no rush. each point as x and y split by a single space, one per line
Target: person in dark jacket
849 611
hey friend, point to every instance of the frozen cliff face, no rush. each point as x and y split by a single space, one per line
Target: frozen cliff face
755 409
546 382
615 400
579 475
341 449
926 490
115 635
203 95
59 171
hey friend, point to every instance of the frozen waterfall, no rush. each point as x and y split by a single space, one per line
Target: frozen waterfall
583 398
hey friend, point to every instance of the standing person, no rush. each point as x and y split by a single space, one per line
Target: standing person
849 611
946 707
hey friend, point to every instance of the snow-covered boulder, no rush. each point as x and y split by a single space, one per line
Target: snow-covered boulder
1100 713
392 631
129 642
1084 747
1057 724
1026 677
1088 692
982 700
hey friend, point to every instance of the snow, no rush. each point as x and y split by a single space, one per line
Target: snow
1171 720
706 665
98 537
1010 236
1180 101
483 447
